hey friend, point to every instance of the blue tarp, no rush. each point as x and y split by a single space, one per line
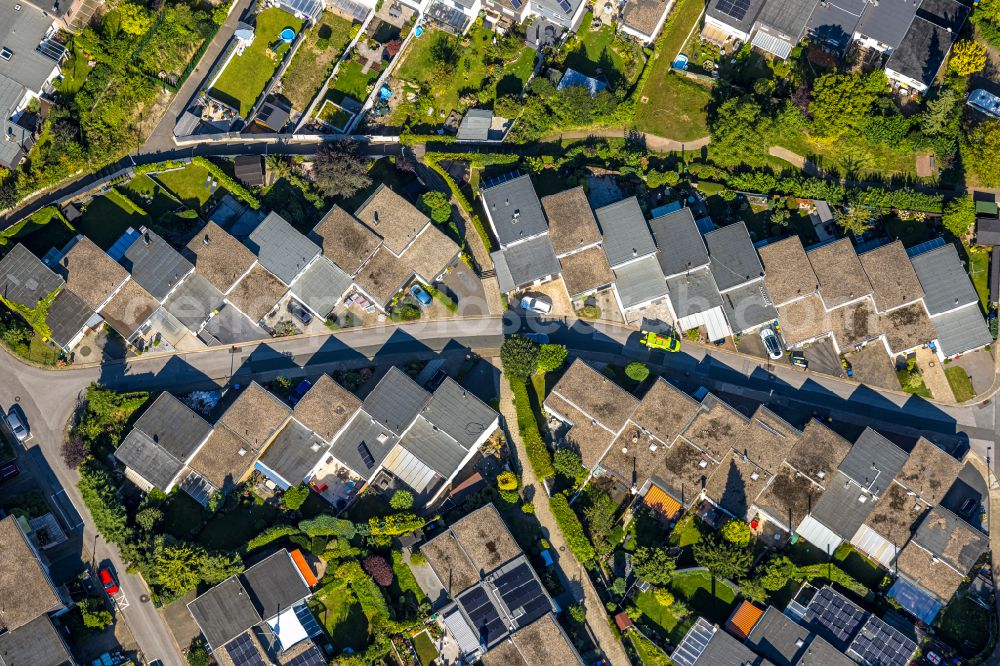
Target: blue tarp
575 78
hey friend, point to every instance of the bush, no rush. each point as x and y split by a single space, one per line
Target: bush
99 494
572 529
737 532
619 587
74 451
405 312
401 500
528 508
507 480
636 371
418 559
295 496
436 206
369 595
95 615
538 453
379 570
395 525
269 535
577 613
777 572
551 357
197 654
664 596
519 357
589 312
653 565
569 463
327 525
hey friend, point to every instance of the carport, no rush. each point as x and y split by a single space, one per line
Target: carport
713 320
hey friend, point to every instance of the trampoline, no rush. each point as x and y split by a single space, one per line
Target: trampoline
287 35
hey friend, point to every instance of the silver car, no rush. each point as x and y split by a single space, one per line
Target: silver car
17 424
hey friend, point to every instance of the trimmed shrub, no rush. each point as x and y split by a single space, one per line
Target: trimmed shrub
636 371
379 570
296 496
737 532
269 535
507 480
572 529
664 596
538 453
519 357
551 357
401 500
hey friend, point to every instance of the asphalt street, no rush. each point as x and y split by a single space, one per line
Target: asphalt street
48 398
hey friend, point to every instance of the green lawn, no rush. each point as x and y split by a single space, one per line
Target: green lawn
863 569
425 648
315 59
686 533
979 272
594 53
45 229
470 74
351 82
151 196
662 616
107 217
74 73
649 654
405 582
192 185
964 620
708 597
961 384
675 107
338 610
852 156
246 75
232 530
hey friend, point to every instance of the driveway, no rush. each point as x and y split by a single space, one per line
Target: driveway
822 357
873 366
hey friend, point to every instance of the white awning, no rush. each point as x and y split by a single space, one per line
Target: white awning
288 629
818 534
713 320
408 469
461 632
876 546
772 44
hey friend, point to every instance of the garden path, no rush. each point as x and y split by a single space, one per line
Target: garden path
657 144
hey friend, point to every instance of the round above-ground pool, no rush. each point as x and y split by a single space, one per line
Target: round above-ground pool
418 31
681 61
287 35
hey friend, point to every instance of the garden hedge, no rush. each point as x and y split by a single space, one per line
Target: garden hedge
527 425
572 529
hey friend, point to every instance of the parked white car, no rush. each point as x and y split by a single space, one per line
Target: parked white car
770 339
532 304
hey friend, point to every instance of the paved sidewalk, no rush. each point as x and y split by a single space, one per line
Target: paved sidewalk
933 375
573 576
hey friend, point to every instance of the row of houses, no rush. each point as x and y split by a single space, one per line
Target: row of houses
893 505
690 274
916 35
819 627
400 435
238 274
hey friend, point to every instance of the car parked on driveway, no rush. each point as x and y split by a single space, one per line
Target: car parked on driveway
8 471
771 342
19 424
299 312
421 296
532 304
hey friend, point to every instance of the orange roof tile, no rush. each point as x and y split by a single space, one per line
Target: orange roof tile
303 567
662 503
743 620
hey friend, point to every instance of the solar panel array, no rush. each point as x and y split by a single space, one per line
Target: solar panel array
311 657
308 620
879 644
243 652
834 617
566 7
516 4
519 589
485 618
736 8
366 455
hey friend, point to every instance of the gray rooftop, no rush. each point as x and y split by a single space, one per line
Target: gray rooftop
749 306
951 539
433 447
23 30
788 17
640 282
681 246
724 650
194 301
24 279
945 13
280 248
739 15
294 452
961 330
321 286
459 413
888 20
988 231
526 262
873 462
734 259
140 453
396 400
230 326
475 125
514 209
174 426
224 612
840 507
778 638
155 265
67 316
923 50
364 437
274 584
835 20
945 282
693 292
36 643
626 235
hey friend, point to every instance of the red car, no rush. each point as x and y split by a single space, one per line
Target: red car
108 581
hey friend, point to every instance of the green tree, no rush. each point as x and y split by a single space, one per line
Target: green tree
98 492
967 57
777 572
519 356
569 463
781 216
637 371
841 101
327 525
197 654
296 496
939 116
444 54
736 128
737 532
619 587
177 568
551 357
980 150
959 215
753 590
436 206
401 500
340 168
653 565
148 518
854 219
599 518
578 613
134 18
723 559
664 597
95 614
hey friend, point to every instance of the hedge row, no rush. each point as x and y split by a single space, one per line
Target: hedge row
834 574
527 425
269 535
462 201
572 529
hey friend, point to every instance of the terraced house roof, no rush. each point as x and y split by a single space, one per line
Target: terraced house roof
91 273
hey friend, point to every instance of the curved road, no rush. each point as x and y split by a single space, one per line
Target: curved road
48 398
